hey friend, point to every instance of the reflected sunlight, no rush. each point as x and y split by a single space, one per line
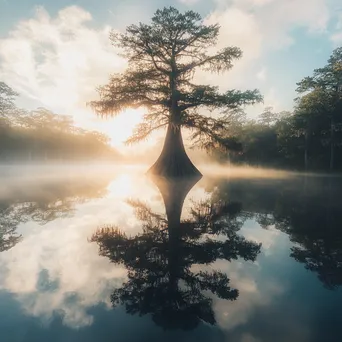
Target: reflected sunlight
123 186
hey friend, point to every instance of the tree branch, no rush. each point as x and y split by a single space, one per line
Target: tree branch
142 131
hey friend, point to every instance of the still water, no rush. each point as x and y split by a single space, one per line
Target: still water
101 254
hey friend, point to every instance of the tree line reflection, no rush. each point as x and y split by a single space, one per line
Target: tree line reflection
307 209
44 202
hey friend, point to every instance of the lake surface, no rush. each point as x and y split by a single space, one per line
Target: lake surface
103 254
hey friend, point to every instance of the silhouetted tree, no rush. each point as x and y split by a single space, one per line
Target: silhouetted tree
161 278
162 58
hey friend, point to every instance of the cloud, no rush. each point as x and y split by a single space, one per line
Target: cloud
251 297
189 2
336 37
271 99
262 74
254 293
59 271
60 60
260 28
277 18
236 29
339 21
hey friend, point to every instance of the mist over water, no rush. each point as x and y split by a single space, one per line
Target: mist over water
240 172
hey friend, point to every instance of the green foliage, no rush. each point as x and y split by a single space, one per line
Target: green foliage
162 59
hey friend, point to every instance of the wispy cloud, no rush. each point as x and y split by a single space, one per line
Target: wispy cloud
336 36
58 60
262 74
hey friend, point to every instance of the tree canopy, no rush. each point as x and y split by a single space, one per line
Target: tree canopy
163 57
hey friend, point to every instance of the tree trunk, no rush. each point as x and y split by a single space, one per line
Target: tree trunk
306 159
332 145
173 161
174 192
306 152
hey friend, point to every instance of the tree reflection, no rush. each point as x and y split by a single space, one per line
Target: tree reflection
8 237
314 226
44 202
308 210
164 277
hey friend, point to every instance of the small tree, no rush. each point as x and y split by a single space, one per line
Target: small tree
162 59
268 117
310 120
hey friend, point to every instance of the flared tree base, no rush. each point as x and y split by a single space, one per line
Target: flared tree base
173 161
174 167
174 192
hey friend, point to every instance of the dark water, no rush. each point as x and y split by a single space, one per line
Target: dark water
101 255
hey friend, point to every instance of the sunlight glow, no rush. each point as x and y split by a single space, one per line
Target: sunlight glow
121 127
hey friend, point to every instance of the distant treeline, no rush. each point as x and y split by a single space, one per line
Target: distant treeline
41 135
309 137
286 140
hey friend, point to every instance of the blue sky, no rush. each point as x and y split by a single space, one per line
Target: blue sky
56 52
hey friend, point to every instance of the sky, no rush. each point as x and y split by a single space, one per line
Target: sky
55 53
